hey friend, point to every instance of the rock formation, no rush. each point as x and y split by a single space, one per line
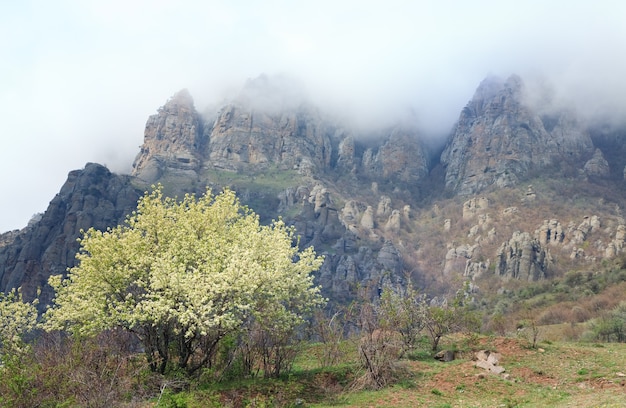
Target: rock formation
367 202
172 141
522 257
499 139
92 197
597 166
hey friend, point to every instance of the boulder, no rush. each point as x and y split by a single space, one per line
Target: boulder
489 362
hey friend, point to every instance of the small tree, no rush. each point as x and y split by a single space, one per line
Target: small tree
530 322
612 325
379 348
404 312
17 367
330 330
440 320
183 275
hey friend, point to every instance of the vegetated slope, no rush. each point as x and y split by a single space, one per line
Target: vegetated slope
553 374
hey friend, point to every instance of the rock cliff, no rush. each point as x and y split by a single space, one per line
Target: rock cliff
268 125
172 141
499 139
92 197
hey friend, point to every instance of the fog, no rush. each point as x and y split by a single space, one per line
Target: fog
78 79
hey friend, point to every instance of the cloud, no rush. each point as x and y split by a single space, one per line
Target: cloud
83 77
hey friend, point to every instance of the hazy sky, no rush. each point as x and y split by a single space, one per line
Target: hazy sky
78 79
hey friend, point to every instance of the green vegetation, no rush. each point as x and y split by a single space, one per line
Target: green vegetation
17 320
270 178
194 303
184 276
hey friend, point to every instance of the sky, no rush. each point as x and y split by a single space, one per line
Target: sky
79 78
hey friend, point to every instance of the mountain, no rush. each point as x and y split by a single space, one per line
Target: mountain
499 139
520 193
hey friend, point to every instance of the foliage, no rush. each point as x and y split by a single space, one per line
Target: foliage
440 321
448 318
183 275
17 319
379 348
330 330
529 327
612 325
404 312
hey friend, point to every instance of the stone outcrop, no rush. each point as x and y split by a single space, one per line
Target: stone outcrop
617 244
362 200
550 232
393 223
8 237
489 361
352 269
367 220
588 225
522 257
92 197
499 139
474 270
597 166
457 258
270 125
474 206
172 141
243 138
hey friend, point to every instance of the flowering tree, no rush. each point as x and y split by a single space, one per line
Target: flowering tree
17 319
182 275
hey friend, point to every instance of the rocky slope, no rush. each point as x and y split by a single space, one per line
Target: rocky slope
379 206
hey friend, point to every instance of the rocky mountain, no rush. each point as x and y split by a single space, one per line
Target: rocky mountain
91 197
519 193
247 136
499 139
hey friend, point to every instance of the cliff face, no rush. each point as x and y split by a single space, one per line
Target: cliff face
172 141
498 139
247 138
92 197
268 126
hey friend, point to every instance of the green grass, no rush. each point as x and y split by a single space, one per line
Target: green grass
271 178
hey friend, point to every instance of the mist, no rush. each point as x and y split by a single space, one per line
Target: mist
80 79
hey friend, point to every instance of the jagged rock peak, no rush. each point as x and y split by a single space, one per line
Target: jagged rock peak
91 197
172 140
499 138
493 86
597 166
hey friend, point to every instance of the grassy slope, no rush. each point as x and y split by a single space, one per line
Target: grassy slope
553 375
573 375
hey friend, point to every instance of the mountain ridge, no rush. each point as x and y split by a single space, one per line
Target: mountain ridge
382 210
